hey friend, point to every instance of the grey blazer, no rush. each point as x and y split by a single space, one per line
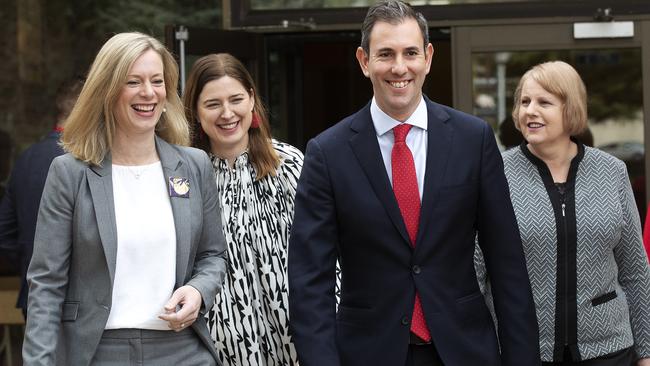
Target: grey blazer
73 267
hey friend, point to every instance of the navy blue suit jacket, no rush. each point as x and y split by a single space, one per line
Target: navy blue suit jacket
346 209
19 205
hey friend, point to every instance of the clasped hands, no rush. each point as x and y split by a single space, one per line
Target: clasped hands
188 301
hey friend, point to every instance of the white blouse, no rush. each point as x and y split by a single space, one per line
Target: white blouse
145 268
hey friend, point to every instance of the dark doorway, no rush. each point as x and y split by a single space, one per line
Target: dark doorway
315 80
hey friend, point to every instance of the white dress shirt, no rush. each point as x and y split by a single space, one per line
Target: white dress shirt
416 140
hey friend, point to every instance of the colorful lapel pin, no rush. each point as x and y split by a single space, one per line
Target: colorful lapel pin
179 187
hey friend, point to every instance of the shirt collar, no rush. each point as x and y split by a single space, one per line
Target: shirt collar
384 123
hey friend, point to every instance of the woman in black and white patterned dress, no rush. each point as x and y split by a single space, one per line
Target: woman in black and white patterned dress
256 178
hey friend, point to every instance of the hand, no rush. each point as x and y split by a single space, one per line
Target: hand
643 362
189 300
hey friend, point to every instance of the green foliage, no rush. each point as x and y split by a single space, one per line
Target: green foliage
101 18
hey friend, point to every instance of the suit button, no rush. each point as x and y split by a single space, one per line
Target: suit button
405 320
416 269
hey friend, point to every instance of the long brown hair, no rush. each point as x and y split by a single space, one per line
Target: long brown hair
215 66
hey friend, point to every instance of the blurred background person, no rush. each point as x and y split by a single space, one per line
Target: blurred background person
586 137
580 229
256 180
128 248
509 136
19 206
6 152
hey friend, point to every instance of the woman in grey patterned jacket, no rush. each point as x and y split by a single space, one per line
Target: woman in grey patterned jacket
580 229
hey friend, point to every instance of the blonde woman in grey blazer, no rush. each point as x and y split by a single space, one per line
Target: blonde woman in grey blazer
129 253
580 229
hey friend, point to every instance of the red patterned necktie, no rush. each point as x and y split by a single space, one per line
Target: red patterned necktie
405 186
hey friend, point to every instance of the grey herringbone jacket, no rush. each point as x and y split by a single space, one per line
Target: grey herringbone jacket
611 264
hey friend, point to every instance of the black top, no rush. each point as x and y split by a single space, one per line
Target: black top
562 197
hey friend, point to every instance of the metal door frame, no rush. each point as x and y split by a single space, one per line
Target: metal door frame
537 37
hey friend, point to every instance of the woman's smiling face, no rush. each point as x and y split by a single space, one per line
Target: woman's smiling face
143 96
541 115
225 111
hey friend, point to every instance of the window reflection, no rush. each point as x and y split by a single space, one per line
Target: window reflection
614 98
318 4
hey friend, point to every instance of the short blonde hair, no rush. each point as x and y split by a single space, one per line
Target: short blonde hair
563 81
90 128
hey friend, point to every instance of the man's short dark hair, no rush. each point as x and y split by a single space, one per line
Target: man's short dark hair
66 96
392 12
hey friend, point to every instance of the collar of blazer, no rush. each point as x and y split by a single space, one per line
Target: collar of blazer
363 143
169 159
363 121
101 187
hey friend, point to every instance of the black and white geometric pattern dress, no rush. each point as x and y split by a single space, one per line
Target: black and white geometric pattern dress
249 321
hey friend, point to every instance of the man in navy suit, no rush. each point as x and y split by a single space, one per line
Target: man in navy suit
19 205
397 192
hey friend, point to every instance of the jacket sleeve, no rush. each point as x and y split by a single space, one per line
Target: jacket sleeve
9 220
633 270
48 271
210 262
498 236
312 264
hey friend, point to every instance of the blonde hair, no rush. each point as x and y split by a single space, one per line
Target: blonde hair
90 128
215 66
563 81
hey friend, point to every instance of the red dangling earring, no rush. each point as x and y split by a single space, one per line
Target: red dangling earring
255 120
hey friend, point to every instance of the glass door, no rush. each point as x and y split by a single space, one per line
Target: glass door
489 61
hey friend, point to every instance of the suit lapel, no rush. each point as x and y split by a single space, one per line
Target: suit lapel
439 142
173 167
366 148
100 181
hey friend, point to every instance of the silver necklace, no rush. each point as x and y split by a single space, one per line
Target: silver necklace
138 170
137 173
